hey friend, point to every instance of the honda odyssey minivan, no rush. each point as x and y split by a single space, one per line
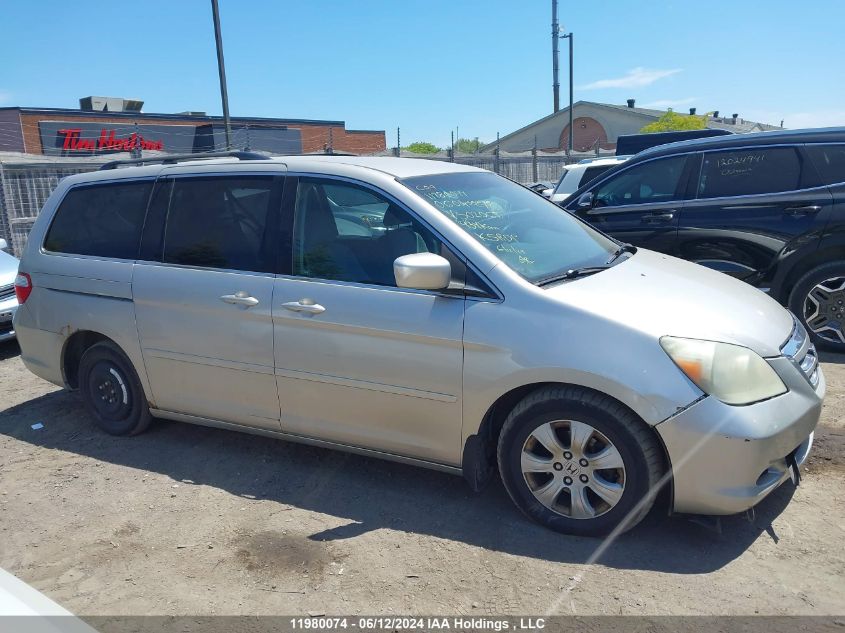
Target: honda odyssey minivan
420 311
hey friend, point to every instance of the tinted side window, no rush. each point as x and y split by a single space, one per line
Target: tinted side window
591 173
221 222
749 171
653 181
349 233
829 161
100 220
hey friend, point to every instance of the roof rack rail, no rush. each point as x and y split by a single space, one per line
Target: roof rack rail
175 158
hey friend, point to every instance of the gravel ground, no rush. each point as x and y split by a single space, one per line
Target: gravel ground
185 520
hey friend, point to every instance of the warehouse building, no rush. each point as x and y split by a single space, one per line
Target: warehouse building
106 125
596 126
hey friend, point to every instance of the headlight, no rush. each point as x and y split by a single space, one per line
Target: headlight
732 373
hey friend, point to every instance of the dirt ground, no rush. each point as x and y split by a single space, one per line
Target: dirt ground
189 520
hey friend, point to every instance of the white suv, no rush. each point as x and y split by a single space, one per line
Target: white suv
582 172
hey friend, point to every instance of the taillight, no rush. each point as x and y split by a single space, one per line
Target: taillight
23 287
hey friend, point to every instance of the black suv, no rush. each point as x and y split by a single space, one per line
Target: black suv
767 208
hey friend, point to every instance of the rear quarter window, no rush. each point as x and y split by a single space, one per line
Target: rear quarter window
750 171
100 220
829 161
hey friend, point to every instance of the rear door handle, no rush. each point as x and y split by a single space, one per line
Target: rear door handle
304 305
806 210
240 298
660 217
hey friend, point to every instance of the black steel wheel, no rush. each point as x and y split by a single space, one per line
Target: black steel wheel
112 391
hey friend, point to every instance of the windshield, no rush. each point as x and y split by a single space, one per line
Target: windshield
566 185
527 232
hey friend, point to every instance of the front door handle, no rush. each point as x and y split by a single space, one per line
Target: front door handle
806 210
660 217
240 298
308 306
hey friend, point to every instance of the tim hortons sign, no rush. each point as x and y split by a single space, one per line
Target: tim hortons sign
108 141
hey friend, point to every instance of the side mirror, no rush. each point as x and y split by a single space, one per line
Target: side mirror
3 244
586 201
422 271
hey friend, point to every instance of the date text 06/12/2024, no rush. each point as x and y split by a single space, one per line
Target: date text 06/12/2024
399 623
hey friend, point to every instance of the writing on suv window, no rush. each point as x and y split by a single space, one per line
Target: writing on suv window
528 233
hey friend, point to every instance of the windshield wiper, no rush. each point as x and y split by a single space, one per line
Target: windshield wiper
572 273
625 248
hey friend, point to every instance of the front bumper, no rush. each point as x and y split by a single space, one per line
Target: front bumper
726 459
7 313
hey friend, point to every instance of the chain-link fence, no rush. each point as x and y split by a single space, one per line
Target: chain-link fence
522 167
26 181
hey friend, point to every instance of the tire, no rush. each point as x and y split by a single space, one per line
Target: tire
627 493
112 391
818 300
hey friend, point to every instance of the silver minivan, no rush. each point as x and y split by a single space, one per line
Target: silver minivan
420 311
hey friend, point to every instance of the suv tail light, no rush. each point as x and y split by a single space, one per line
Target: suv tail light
23 287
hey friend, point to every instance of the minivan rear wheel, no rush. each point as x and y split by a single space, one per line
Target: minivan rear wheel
818 299
112 391
579 462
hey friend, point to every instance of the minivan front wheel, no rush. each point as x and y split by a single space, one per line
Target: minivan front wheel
112 391
579 462
818 299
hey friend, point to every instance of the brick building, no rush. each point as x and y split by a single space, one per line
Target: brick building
110 125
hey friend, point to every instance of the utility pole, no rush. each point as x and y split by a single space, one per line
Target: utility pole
398 144
571 39
555 38
221 69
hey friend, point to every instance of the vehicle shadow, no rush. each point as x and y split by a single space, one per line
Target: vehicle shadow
9 349
373 494
831 357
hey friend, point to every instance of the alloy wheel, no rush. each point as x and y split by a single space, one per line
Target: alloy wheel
573 469
824 309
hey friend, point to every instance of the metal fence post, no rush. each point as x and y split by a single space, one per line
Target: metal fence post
496 163
5 225
135 152
534 171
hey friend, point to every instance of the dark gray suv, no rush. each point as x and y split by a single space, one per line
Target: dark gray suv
767 208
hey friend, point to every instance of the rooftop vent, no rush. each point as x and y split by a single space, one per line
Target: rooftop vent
631 103
110 104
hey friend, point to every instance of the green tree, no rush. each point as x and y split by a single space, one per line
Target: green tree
468 146
422 147
672 121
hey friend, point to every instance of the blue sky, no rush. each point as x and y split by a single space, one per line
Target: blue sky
430 66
